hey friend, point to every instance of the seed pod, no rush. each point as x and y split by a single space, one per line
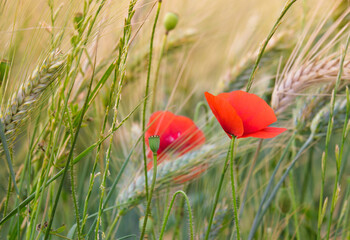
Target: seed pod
154 143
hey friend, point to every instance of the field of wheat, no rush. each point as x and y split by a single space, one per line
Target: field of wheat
158 119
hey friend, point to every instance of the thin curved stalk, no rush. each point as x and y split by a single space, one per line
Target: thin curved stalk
272 32
169 210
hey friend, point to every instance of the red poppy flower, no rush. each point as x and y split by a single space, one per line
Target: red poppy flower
243 114
178 135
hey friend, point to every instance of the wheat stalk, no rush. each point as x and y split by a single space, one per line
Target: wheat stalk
222 220
175 44
237 76
320 122
28 94
297 81
167 172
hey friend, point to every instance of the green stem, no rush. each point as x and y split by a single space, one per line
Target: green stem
269 185
105 174
264 206
338 164
92 174
329 133
8 194
294 205
60 173
146 95
344 133
333 203
234 199
155 86
112 227
347 218
307 175
70 156
80 119
8 156
248 178
75 203
115 182
196 111
149 201
178 216
272 32
217 195
169 210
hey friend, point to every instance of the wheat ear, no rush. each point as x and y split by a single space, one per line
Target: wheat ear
297 81
237 76
320 121
166 173
23 101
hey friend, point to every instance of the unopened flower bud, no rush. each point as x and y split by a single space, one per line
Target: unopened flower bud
170 21
154 143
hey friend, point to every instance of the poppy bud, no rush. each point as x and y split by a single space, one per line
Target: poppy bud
283 202
149 224
170 21
154 143
78 20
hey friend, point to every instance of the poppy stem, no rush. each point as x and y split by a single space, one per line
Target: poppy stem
217 195
149 200
146 96
190 217
155 86
234 199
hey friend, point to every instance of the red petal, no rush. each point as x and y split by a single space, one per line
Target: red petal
269 132
189 136
255 113
178 134
158 124
225 114
194 173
